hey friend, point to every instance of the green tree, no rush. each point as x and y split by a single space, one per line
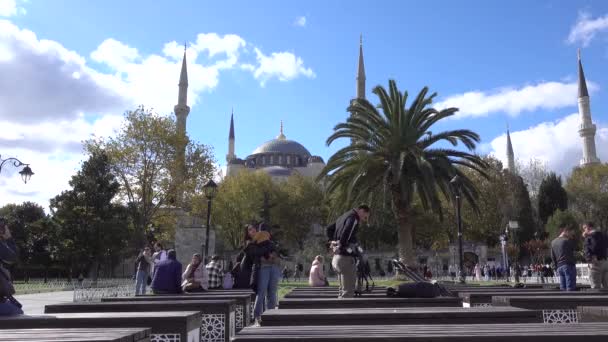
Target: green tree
558 219
143 157
518 207
485 222
238 202
91 227
393 146
551 197
23 223
587 188
300 206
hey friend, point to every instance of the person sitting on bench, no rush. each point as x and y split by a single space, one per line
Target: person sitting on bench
168 275
196 276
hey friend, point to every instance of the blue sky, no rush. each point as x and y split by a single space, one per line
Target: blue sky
500 62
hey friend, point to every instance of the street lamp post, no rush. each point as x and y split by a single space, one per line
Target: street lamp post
503 244
26 173
210 189
456 183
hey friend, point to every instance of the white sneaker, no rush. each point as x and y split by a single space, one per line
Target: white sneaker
257 322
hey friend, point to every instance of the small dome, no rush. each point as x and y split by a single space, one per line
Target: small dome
277 171
316 159
282 146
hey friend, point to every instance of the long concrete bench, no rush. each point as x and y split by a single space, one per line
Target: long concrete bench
556 308
395 316
218 321
327 288
244 303
166 326
520 332
77 335
363 302
471 299
593 313
302 294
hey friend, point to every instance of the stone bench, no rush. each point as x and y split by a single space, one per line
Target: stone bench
302 294
556 308
244 302
328 288
593 313
472 299
77 335
363 302
166 326
520 332
396 316
218 322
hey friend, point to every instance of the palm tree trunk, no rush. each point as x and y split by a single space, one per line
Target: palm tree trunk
405 232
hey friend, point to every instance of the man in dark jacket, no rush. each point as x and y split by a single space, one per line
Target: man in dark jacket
595 247
8 255
345 247
562 253
168 275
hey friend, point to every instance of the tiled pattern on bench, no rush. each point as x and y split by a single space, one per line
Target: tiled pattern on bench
213 327
251 306
232 331
165 338
482 305
240 317
560 316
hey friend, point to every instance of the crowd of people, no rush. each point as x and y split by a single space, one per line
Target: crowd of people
258 265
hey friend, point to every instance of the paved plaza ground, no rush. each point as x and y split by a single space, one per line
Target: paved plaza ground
33 304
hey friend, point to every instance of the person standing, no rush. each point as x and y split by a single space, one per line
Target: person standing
216 273
143 265
345 247
562 254
595 246
317 276
168 275
9 306
159 255
285 274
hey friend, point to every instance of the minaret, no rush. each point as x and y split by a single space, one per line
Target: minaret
587 128
181 113
510 154
230 156
361 72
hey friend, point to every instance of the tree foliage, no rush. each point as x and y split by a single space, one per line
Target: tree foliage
587 188
533 172
91 228
392 146
143 157
551 197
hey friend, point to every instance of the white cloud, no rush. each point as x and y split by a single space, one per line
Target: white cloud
52 98
514 101
586 28
284 66
556 143
9 8
300 21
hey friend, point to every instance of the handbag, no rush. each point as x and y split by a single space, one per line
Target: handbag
149 281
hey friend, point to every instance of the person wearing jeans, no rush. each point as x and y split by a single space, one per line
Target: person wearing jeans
143 265
562 254
268 283
596 248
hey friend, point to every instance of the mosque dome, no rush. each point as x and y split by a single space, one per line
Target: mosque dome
282 145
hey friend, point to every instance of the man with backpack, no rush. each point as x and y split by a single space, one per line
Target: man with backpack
345 246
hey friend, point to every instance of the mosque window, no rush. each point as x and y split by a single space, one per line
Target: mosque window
280 159
263 160
271 159
288 160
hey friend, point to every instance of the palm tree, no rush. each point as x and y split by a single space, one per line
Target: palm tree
392 147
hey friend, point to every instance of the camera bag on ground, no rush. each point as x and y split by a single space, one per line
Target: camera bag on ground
417 278
421 289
